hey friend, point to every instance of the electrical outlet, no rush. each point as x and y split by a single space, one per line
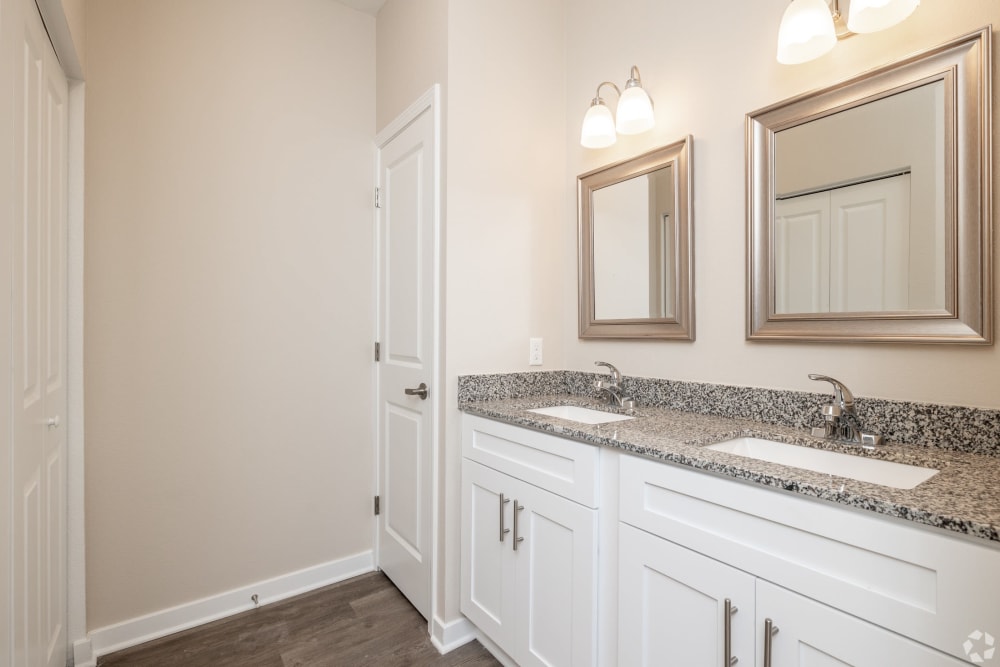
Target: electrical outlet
534 351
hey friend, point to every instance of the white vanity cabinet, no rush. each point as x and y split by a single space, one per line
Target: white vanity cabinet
841 586
626 560
529 543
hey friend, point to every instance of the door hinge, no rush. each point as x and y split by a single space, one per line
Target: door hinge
378 197
378 351
377 509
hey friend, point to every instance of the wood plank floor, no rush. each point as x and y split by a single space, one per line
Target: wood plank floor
361 621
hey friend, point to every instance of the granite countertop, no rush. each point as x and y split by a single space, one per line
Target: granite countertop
964 497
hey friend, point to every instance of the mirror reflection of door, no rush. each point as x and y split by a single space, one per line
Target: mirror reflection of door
634 245
848 250
859 209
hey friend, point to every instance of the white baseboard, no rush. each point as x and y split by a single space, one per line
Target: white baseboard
168 621
83 653
449 635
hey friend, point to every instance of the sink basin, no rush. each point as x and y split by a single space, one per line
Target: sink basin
861 468
583 415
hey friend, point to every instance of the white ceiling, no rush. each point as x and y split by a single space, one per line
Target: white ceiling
366 6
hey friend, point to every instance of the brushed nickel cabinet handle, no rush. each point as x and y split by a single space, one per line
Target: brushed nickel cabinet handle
420 390
517 510
503 531
770 629
727 621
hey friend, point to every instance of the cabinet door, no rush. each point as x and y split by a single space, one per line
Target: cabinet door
811 634
487 569
671 605
556 565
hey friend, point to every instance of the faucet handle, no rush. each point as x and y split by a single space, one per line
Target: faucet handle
831 411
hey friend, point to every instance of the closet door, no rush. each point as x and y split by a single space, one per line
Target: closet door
6 245
38 351
802 254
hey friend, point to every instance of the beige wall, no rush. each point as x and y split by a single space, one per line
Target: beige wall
228 295
706 64
411 54
76 19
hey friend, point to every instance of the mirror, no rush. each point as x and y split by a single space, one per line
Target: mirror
869 214
636 248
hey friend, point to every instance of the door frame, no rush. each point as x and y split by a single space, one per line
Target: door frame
428 102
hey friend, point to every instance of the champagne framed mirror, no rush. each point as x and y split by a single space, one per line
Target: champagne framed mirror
869 214
636 274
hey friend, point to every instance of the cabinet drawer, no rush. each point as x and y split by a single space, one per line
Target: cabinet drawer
926 585
562 466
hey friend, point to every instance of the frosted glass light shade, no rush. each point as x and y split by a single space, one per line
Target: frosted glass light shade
875 15
806 31
598 127
635 111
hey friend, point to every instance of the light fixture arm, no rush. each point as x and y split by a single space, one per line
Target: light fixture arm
597 97
634 80
840 21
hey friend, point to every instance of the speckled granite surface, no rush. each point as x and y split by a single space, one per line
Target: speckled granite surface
964 497
961 429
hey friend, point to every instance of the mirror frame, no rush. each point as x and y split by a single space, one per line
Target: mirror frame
681 326
964 66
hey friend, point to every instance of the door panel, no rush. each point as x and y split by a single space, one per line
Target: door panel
870 246
38 254
556 570
488 588
672 603
802 251
406 330
402 453
7 235
811 634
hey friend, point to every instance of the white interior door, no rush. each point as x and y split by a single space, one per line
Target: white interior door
6 257
802 254
38 351
408 333
870 246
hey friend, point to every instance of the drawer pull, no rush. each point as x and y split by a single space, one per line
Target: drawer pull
517 510
503 531
727 622
770 629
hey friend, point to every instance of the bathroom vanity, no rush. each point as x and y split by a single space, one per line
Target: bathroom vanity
629 543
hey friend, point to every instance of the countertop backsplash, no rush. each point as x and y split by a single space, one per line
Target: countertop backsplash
954 428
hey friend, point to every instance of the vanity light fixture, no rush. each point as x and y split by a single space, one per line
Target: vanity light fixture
810 28
634 114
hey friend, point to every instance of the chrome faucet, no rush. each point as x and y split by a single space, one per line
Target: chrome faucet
840 420
613 389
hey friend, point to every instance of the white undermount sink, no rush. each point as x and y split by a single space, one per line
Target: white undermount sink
578 414
861 468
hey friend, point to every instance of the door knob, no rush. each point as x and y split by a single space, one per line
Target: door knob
52 422
420 390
